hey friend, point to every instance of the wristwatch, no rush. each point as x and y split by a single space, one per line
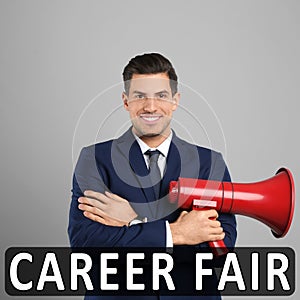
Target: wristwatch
137 220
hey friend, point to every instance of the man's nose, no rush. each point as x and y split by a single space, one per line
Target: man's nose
150 104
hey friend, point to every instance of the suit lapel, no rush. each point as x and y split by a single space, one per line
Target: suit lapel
172 171
136 168
182 161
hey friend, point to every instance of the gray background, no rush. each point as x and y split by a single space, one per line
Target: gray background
57 56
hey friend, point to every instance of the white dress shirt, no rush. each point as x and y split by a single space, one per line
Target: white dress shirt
162 161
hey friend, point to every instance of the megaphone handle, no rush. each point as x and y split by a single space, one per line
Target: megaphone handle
218 248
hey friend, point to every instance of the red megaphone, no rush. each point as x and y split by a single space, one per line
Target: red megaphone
270 201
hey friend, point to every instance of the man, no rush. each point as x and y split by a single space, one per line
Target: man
120 191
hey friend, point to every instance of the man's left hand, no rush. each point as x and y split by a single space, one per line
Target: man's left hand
108 209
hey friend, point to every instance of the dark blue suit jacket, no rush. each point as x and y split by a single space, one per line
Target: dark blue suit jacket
118 166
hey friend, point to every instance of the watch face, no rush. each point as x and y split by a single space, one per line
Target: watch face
135 221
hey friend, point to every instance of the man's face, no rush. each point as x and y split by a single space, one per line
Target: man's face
150 105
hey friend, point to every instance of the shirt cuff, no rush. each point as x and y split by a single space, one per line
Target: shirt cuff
169 239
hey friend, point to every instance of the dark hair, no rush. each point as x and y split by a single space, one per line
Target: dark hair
149 63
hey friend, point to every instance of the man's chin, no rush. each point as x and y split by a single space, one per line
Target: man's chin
151 134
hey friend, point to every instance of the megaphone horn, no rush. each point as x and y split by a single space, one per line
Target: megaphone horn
270 201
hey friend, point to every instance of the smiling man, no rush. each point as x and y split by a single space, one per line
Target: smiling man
151 103
120 187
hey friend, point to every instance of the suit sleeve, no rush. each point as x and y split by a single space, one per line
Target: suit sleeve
219 172
86 233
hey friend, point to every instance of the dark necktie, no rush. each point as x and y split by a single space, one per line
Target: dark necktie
155 175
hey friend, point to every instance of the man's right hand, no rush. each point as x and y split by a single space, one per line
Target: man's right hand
196 227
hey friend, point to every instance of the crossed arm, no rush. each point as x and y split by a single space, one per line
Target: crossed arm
100 219
190 228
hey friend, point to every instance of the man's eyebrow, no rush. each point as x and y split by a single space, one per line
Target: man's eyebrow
156 93
138 92
162 92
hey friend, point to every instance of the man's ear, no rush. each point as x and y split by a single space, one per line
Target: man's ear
176 99
125 100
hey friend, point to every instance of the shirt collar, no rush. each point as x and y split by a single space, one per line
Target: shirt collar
163 147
